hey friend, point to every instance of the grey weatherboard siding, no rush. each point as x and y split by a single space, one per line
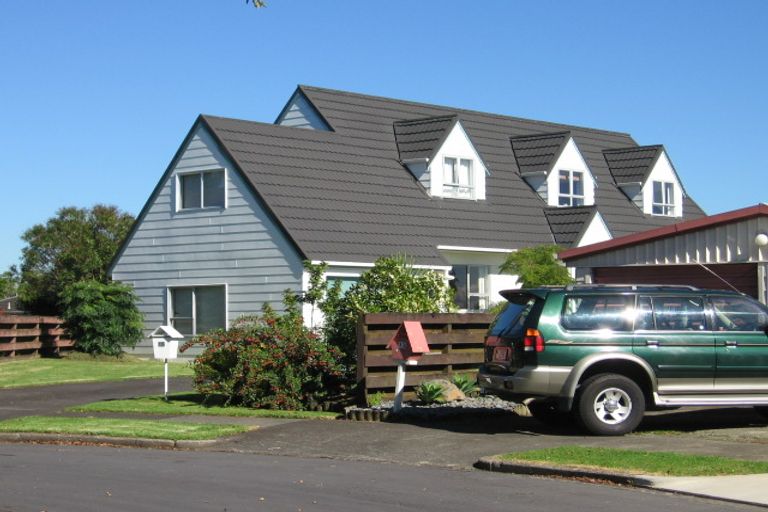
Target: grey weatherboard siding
239 246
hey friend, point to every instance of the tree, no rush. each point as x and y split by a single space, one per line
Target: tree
103 318
9 282
537 266
77 244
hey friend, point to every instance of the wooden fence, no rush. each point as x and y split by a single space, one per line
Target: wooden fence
455 347
23 334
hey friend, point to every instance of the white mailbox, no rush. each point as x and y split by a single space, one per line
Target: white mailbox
165 342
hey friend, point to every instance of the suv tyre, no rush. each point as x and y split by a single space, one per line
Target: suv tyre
547 412
610 405
762 410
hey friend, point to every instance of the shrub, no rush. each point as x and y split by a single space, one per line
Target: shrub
467 384
102 318
537 266
271 361
429 393
392 285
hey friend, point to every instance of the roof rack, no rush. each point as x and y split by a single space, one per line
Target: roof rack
633 287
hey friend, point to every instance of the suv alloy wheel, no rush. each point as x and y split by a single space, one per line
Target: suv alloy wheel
610 405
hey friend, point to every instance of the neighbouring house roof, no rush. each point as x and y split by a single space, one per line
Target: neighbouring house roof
666 231
422 138
344 195
632 165
569 224
536 154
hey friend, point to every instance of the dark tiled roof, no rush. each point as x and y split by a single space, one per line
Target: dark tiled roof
632 165
422 138
569 224
538 153
345 196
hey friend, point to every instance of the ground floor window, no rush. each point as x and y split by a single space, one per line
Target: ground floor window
198 309
470 285
345 282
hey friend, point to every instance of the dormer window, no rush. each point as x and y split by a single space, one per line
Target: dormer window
663 198
553 166
647 177
571 188
457 178
441 156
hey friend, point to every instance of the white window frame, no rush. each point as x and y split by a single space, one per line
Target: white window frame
570 196
482 294
169 303
200 173
667 204
454 189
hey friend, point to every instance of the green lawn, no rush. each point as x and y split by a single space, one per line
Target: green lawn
148 429
191 403
44 371
631 461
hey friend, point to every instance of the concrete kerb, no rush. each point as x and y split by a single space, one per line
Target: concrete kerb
644 481
131 442
498 465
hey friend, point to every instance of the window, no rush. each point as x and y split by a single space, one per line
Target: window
670 314
199 309
571 188
469 284
202 190
345 282
738 314
596 312
663 198
457 177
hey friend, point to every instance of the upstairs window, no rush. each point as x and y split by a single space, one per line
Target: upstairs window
202 190
457 178
571 188
663 198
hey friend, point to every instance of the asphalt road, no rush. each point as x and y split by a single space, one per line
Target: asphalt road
86 478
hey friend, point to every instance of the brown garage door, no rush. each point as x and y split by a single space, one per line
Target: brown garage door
742 276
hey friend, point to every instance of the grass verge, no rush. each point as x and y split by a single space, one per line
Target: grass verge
189 404
47 371
130 428
631 461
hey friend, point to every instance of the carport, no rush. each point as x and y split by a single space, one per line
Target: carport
724 251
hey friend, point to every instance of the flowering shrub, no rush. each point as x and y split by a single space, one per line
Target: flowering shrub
270 361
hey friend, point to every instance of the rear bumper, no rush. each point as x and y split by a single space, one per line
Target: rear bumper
526 382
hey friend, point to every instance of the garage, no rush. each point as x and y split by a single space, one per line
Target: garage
725 251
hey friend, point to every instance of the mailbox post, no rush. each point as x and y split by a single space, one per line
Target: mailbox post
165 345
407 346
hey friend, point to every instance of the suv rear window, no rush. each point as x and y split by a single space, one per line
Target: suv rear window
509 323
595 312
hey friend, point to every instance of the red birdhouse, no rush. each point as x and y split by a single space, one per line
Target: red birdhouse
409 342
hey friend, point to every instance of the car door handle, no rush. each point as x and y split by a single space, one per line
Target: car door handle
652 343
730 343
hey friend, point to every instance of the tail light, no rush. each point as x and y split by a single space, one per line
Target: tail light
533 342
492 341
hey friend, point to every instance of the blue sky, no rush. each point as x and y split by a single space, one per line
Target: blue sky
96 96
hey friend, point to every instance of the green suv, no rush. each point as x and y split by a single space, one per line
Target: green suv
605 353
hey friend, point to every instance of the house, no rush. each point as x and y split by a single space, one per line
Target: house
724 251
346 178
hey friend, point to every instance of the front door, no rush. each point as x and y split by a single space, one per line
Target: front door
741 344
672 336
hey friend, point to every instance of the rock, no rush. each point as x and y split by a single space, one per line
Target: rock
450 392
